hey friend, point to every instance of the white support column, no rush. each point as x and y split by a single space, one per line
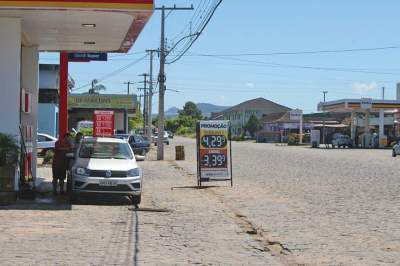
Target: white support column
10 87
10 65
381 128
353 128
29 81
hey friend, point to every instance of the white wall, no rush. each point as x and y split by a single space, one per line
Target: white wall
10 56
29 81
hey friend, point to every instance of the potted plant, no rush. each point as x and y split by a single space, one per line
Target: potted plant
9 153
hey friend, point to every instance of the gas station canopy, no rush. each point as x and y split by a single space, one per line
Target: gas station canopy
359 105
79 25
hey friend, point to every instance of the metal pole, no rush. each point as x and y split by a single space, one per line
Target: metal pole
161 79
149 120
323 120
230 153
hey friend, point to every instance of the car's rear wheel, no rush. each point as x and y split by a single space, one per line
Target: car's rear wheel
136 199
394 153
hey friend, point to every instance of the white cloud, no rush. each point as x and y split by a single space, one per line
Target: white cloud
362 88
222 97
250 85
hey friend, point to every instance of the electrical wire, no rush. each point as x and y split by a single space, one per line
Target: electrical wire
298 52
116 72
203 24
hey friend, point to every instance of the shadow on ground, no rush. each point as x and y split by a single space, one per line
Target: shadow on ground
42 202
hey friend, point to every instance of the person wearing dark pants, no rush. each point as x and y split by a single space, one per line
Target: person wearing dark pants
60 162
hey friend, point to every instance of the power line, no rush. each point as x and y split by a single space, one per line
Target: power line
116 72
197 34
299 52
278 65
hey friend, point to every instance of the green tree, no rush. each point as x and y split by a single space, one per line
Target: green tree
172 124
190 109
253 125
137 122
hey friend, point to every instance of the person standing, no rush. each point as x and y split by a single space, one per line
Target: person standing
60 162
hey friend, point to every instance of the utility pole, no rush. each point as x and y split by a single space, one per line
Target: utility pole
149 112
162 79
129 83
145 102
383 93
126 119
323 120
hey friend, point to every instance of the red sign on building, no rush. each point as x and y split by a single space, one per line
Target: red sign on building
103 123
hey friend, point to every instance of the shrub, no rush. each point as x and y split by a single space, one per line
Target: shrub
293 139
48 157
87 131
9 150
182 130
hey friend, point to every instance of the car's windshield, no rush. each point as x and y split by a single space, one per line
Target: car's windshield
105 150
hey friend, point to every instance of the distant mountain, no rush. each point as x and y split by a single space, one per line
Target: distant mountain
206 109
171 112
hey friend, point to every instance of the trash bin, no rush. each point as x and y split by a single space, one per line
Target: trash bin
179 153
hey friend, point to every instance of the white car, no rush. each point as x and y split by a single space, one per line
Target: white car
396 149
165 139
45 143
105 165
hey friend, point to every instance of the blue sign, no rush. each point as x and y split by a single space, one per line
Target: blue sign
86 57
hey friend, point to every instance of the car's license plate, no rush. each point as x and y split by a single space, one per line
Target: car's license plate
108 183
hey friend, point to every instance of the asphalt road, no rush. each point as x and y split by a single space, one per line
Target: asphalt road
325 206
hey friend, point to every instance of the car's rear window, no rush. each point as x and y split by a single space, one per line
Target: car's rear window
105 150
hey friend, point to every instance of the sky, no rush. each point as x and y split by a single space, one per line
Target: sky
278 32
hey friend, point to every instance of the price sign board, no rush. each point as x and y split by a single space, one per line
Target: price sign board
213 155
103 123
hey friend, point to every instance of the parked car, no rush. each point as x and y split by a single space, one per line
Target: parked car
105 165
340 140
170 134
139 144
396 149
166 138
45 143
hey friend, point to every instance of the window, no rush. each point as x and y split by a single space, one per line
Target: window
105 150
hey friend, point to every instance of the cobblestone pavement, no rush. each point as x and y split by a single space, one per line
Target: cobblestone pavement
325 206
175 225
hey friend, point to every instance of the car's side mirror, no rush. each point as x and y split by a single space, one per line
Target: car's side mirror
139 158
70 155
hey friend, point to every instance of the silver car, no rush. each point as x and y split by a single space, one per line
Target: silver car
106 165
396 149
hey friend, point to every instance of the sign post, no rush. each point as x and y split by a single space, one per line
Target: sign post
297 115
214 152
103 123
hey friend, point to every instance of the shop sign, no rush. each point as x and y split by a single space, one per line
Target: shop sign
214 151
102 101
103 123
366 103
295 115
86 57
